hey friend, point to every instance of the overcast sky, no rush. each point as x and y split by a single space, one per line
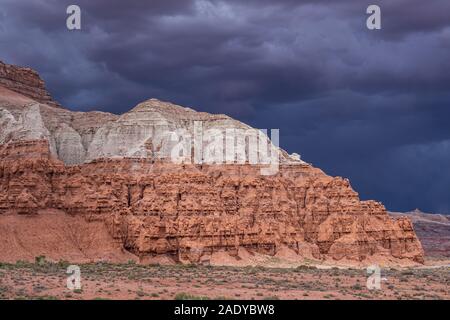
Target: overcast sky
373 106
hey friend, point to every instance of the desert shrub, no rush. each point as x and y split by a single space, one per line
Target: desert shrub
187 296
356 287
40 260
271 298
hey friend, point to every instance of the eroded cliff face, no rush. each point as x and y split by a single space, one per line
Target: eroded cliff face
199 214
27 82
116 171
146 131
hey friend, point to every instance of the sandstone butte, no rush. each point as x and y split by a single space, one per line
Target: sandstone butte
89 186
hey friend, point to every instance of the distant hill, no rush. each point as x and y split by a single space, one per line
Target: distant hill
433 231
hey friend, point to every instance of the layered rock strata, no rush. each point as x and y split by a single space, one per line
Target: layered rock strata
118 171
191 212
27 82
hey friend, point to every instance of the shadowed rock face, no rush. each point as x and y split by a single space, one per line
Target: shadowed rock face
433 231
107 168
26 82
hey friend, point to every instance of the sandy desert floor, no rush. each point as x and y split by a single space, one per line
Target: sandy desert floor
44 280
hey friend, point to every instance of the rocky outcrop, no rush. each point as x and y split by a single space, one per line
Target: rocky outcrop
58 237
150 130
433 231
69 133
120 171
189 213
27 82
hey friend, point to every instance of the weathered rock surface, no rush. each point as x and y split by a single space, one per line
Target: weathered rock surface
57 236
191 212
150 130
27 82
115 170
68 133
433 231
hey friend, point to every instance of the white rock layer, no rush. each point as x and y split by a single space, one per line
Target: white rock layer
151 130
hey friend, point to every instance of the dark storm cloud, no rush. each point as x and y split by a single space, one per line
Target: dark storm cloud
370 105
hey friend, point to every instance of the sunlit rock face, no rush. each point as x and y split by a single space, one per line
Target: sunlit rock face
193 213
150 130
153 129
122 171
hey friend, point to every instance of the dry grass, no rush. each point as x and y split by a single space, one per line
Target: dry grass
44 280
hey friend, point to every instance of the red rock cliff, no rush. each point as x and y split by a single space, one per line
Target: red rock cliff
27 82
184 213
192 213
